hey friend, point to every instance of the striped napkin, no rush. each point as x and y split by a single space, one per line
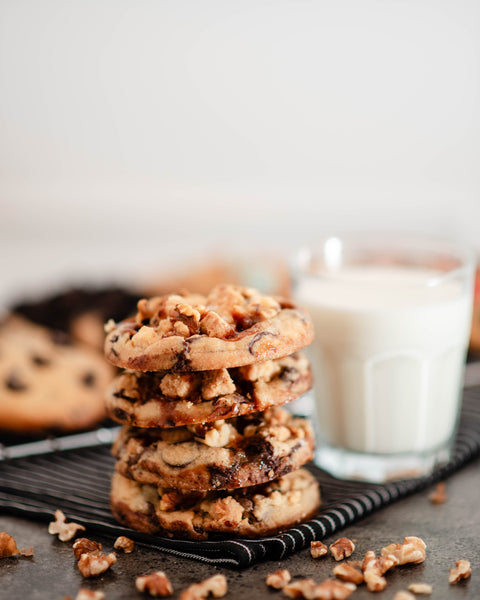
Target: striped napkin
73 474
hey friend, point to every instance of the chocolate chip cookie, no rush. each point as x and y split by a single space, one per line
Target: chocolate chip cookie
231 327
225 454
48 383
166 399
249 512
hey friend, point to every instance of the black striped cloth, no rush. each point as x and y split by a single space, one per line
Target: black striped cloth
77 481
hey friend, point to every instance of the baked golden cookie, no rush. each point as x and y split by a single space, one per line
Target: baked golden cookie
231 327
166 399
48 383
475 332
229 454
251 512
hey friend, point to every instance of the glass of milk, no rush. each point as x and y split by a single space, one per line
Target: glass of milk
392 317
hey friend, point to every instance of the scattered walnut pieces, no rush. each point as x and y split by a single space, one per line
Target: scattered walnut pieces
420 588
439 494
461 571
411 551
216 586
318 549
347 572
124 543
28 552
91 561
279 579
66 531
156 584
342 548
329 589
8 546
85 594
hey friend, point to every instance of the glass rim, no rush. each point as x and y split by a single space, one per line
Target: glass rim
328 249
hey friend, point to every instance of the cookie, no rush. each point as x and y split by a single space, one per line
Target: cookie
252 512
231 327
80 312
238 452
48 383
165 399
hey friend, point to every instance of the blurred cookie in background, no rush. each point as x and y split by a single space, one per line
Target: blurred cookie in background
49 383
475 333
80 312
268 274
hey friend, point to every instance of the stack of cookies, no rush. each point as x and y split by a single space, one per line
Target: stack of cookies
206 447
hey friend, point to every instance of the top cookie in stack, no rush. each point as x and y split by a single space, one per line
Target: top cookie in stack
205 446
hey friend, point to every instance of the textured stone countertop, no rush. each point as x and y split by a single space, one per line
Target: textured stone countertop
450 530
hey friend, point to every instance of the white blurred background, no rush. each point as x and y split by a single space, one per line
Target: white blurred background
138 132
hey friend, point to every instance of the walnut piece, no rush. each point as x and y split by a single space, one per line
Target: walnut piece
420 588
8 546
92 564
216 586
461 571
329 589
156 584
374 568
439 494
342 548
347 572
85 594
411 551
85 546
318 549
279 579
66 531
124 543
177 385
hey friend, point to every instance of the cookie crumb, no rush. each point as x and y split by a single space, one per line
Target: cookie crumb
461 571
155 584
66 531
279 579
439 494
215 586
124 543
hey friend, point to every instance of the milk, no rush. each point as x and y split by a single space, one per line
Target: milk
388 356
